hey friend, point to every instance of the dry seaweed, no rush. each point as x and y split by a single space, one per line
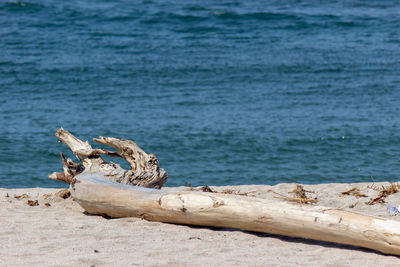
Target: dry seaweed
383 193
235 192
47 204
353 192
206 188
294 199
63 193
21 196
300 192
7 195
33 203
46 196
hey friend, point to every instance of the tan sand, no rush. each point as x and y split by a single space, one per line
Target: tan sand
63 235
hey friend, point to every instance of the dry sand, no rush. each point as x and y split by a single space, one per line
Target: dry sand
62 234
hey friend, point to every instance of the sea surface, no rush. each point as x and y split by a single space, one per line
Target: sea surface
223 92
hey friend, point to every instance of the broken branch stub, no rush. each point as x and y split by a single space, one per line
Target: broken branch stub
145 170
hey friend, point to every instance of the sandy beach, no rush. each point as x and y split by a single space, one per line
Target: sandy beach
57 232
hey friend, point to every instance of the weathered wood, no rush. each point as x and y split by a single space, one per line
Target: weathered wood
93 185
145 169
99 196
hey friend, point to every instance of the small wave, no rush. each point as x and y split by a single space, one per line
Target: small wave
195 8
199 30
162 17
18 6
261 16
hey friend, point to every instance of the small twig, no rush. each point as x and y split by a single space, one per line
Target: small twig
353 192
68 174
206 188
67 170
373 186
236 192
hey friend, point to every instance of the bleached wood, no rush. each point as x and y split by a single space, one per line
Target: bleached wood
145 170
99 196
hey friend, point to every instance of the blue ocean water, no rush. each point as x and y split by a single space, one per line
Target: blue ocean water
223 92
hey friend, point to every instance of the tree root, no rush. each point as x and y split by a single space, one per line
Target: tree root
145 170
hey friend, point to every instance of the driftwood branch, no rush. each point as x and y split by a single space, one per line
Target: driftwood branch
145 170
106 189
99 196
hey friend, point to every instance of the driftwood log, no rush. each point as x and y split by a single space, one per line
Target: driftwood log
145 170
98 194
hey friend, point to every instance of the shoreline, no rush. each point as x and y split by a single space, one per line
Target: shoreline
60 233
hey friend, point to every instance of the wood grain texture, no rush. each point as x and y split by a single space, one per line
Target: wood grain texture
99 196
145 169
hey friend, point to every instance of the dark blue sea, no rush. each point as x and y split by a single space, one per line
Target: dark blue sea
223 92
